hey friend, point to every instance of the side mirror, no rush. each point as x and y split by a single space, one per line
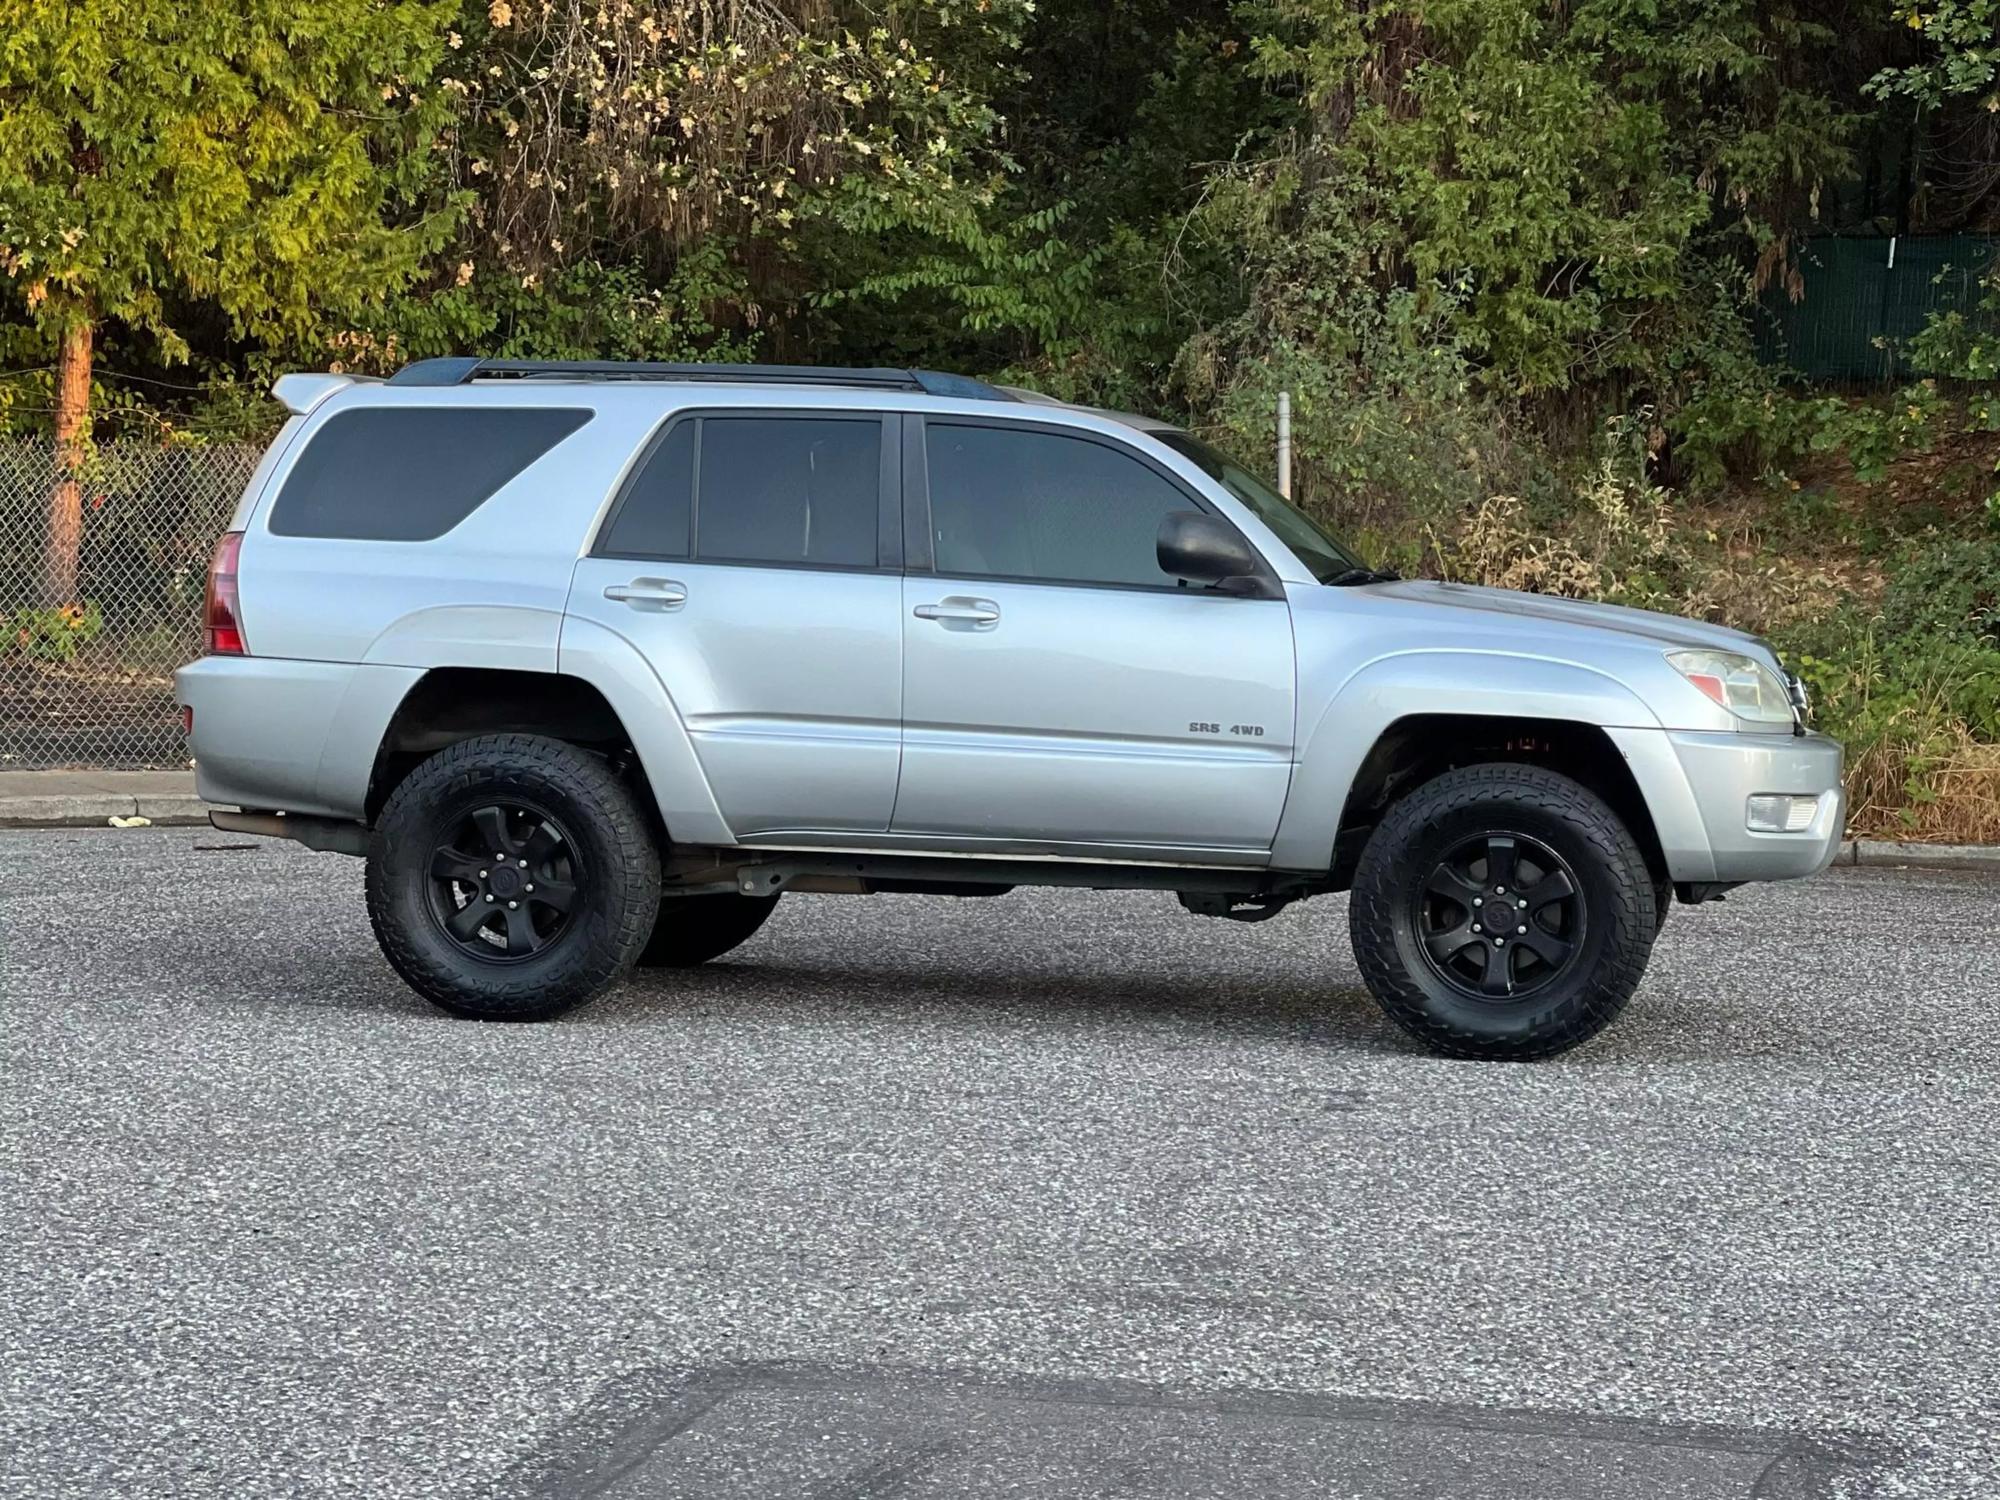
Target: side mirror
1197 547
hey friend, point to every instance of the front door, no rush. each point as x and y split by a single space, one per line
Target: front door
1060 690
745 558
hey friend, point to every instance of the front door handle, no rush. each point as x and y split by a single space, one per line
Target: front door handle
980 614
649 593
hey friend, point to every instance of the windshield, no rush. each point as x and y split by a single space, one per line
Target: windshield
1327 558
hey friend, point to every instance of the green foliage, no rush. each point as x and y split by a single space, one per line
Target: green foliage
271 162
53 635
582 310
1961 53
1961 343
1945 588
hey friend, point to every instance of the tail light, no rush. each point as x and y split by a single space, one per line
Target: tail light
223 614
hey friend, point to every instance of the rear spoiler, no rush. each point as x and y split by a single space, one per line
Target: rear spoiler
301 393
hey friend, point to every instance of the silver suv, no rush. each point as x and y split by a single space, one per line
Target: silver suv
594 662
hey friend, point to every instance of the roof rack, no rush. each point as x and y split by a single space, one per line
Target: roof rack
461 371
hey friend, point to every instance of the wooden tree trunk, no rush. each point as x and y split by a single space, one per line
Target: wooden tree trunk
65 544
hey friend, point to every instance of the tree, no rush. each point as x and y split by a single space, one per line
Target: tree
165 161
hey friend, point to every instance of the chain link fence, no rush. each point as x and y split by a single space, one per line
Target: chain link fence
87 680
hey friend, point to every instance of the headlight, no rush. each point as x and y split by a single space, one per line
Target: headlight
1741 684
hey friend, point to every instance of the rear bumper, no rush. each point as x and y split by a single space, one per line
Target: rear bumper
300 736
1698 787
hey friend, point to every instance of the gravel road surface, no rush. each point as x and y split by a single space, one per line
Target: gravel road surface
1049 1194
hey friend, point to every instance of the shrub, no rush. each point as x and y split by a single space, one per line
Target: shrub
54 634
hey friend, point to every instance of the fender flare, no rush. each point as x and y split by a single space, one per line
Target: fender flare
595 654
1451 680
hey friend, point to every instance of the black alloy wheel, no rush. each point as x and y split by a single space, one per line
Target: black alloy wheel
1502 910
512 876
1501 916
504 880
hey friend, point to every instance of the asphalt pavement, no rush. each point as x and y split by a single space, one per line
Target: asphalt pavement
1049 1194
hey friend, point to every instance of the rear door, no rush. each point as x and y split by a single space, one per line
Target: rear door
753 557
1058 688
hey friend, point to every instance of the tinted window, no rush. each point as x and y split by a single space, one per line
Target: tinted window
408 474
789 490
656 516
1016 504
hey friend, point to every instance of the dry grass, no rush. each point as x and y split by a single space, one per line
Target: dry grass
1957 796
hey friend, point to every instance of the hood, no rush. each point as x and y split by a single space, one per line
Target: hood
1668 631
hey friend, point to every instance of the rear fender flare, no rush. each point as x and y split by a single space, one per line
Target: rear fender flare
616 668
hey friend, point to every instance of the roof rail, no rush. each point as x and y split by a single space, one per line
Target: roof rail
461 371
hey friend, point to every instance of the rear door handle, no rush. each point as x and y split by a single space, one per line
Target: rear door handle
981 614
649 593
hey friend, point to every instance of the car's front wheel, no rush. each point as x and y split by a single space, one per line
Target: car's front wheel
511 877
1502 911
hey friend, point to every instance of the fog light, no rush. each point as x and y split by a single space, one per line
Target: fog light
1775 813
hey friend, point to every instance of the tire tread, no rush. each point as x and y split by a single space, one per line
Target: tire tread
1373 914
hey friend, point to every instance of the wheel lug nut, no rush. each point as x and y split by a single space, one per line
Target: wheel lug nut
531 891
482 874
1521 902
513 905
1477 928
1499 942
1520 929
1499 890
489 895
524 864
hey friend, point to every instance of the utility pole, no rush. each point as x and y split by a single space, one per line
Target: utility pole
1285 444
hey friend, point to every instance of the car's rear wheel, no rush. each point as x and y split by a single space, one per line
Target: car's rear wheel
1502 911
691 930
511 877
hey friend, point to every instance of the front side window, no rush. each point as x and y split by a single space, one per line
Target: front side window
411 473
1017 503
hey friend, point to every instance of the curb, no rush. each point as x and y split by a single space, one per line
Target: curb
1984 857
97 809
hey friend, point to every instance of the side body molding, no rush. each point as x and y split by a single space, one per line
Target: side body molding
1343 724
614 666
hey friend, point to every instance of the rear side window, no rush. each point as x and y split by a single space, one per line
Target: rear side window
1016 503
803 491
789 490
409 474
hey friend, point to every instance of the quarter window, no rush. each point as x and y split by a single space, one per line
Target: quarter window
1040 505
411 473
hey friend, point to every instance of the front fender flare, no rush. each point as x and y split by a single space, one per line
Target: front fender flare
1349 720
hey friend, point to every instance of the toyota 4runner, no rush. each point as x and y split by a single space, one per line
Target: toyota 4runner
594 662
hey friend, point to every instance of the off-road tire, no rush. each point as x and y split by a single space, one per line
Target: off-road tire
617 890
1663 902
1385 912
691 930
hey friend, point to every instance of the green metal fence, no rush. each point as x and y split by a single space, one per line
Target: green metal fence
1865 298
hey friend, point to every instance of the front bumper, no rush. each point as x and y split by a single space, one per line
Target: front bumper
1698 787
